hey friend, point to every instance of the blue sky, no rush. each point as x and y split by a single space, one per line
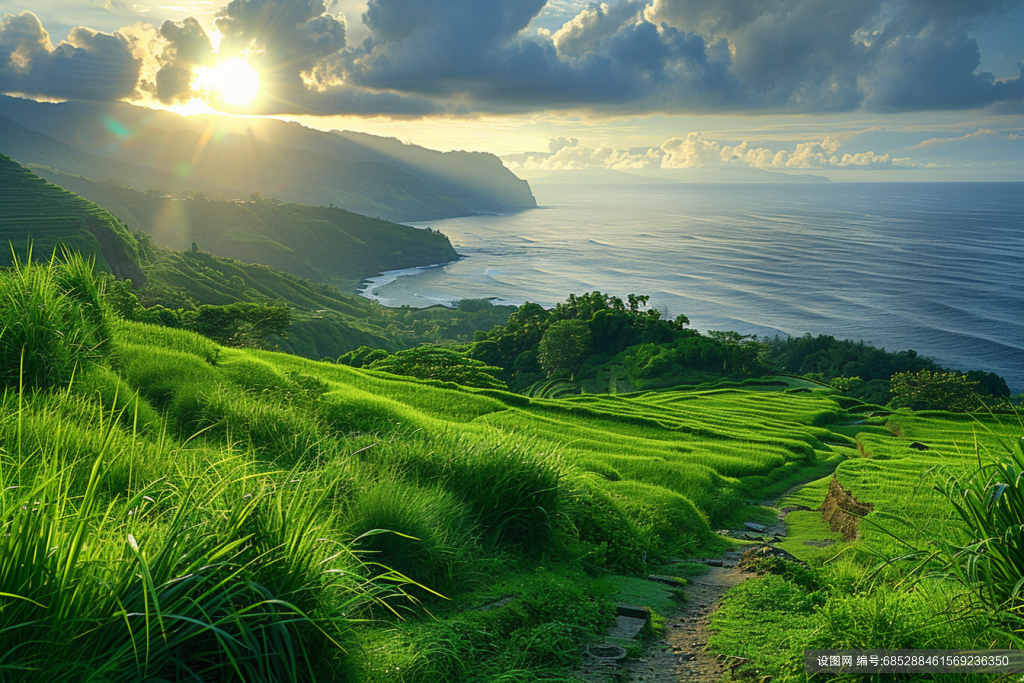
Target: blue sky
855 90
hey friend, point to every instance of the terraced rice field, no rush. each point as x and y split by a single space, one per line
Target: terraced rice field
717 448
37 214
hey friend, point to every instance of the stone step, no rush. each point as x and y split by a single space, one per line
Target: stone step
626 628
667 580
624 609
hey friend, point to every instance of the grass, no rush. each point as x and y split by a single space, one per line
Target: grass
51 323
163 571
172 506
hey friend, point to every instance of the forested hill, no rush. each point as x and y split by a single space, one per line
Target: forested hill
240 156
37 214
169 284
318 243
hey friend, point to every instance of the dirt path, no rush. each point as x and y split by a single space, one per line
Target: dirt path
680 655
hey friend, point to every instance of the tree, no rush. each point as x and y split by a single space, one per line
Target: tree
361 357
120 297
446 365
241 324
740 351
564 346
928 390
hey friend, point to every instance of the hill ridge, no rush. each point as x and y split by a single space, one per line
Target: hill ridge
40 216
369 175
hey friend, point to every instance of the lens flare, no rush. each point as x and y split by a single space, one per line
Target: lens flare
232 82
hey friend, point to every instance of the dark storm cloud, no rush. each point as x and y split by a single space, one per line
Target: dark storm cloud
935 68
821 55
187 46
87 65
685 55
462 51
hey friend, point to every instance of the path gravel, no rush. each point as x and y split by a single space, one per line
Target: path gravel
680 655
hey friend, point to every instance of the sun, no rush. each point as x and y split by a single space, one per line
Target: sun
233 82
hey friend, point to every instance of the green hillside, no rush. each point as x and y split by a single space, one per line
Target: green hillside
177 510
37 214
891 564
325 323
318 243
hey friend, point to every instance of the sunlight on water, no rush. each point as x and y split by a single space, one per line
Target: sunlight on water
933 267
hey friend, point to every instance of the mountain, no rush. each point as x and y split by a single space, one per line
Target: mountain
36 214
238 156
34 149
315 242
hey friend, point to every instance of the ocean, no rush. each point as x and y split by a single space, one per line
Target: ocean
934 267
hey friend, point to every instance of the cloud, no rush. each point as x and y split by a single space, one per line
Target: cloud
984 146
820 55
696 151
568 154
88 65
187 46
483 56
423 57
795 54
685 55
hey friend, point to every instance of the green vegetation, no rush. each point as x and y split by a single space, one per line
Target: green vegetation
42 218
597 343
324 322
935 391
51 322
184 288
431 362
990 503
178 501
536 344
933 563
222 510
864 372
318 243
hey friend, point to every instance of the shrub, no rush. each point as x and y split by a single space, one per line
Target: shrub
599 529
928 390
990 502
51 322
422 533
668 522
446 365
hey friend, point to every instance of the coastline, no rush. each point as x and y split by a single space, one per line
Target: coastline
367 286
